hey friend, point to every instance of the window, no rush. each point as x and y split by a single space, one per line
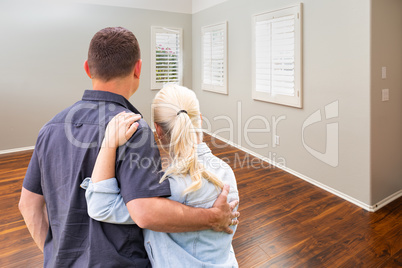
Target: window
166 57
277 65
214 58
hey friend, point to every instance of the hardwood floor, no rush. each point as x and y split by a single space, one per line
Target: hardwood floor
285 221
17 248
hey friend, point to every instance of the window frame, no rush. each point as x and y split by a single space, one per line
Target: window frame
222 89
154 31
296 100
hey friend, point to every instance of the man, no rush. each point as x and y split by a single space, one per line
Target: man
54 206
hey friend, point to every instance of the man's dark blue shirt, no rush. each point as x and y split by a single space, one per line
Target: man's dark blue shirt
64 156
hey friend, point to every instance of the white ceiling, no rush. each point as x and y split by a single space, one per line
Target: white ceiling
180 6
198 5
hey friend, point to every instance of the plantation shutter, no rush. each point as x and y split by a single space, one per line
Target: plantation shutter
167 56
207 58
275 56
214 46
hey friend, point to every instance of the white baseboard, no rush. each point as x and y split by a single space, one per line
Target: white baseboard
16 150
387 200
370 208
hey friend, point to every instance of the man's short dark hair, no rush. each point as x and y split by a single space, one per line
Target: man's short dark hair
113 52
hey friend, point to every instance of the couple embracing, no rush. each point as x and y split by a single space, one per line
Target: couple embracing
87 204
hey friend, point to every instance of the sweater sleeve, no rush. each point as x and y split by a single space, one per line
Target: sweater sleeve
105 202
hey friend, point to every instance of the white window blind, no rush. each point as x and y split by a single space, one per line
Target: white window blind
214 58
166 58
277 57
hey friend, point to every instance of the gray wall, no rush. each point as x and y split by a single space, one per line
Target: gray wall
336 68
386 123
44 45
42 51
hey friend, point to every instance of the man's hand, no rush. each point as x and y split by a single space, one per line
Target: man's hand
224 214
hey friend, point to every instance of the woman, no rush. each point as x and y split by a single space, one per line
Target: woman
196 178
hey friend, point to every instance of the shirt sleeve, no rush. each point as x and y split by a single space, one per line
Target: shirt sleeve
138 167
32 180
105 202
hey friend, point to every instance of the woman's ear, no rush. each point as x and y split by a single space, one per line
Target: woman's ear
158 130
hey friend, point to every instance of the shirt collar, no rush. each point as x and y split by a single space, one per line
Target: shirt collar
97 95
202 148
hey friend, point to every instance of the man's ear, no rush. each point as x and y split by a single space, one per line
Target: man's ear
86 68
137 68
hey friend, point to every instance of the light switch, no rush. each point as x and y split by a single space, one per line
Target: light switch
385 94
384 72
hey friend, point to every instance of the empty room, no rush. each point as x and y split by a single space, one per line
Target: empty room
260 133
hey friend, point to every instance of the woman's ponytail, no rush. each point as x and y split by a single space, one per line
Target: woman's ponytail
176 111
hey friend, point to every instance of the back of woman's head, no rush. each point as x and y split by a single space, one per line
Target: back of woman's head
167 104
176 110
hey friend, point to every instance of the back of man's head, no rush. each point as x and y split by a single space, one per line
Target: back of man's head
113 52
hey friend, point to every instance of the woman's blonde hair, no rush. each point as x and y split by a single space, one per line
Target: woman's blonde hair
177 111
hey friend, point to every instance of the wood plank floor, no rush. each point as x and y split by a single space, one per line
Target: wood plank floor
285 222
